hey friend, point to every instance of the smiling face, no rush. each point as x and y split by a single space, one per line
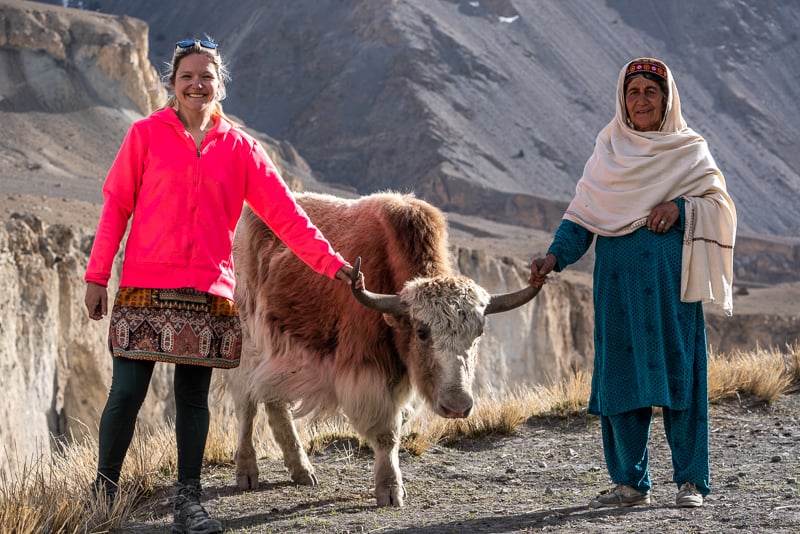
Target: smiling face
645 103
196 82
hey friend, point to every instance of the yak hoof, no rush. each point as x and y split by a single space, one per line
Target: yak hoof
305 479
247 482
391 496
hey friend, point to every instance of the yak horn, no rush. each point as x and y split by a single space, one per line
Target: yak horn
508 301
390 304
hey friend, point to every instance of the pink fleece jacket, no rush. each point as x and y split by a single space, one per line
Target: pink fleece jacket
185 204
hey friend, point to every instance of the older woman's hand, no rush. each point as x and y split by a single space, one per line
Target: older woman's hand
540 268
663 217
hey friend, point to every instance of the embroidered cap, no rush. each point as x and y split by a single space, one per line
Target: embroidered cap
646 64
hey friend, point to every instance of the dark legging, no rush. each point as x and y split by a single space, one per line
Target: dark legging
129 385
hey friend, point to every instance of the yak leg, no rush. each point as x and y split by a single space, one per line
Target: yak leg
380 425
389 489
294 457
246 465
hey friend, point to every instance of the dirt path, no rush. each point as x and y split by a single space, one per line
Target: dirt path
539 479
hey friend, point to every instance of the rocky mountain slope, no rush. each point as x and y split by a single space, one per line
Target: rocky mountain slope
490 107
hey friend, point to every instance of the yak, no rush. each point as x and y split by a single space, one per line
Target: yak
311 346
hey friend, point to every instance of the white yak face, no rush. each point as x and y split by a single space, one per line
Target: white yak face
443 326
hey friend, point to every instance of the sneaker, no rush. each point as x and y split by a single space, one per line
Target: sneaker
619 496
190 516
688 496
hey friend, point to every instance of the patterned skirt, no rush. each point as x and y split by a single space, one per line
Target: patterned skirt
184 326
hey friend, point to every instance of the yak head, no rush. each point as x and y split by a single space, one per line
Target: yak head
440 321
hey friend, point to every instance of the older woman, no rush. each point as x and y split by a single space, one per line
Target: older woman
665 229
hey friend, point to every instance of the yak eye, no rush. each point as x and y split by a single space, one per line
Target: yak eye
423 333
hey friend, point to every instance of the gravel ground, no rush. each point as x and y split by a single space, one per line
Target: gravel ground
538 479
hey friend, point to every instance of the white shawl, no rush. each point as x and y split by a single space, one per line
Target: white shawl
631 172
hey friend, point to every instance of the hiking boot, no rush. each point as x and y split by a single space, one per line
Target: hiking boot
621 495
104 490
190 516
688 496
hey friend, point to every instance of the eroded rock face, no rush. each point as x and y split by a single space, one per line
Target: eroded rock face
51 55
71 83
55 368
544 340
725 335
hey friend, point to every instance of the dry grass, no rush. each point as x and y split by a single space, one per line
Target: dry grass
793 352
53 495
763 373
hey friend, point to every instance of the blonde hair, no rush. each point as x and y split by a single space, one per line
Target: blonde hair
168 78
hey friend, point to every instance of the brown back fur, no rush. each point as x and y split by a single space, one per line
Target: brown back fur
399 237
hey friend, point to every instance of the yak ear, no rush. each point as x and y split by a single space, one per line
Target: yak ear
396 321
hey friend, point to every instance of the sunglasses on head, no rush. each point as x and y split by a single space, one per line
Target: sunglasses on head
188 43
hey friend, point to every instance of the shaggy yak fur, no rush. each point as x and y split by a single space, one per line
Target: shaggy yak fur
311 349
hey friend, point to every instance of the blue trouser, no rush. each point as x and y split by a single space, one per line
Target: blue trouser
129 384
625 444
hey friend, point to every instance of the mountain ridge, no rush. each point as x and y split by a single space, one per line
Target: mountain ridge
63 140
441 97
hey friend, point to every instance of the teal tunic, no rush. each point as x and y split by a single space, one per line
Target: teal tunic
650 348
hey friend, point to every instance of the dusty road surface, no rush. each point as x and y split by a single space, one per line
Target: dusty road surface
538 479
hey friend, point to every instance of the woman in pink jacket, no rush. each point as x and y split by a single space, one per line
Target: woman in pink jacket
183 174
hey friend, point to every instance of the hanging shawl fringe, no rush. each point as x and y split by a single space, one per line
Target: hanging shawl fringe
707 261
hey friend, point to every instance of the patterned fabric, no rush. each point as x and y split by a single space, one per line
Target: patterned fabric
646 64
650 348
176 326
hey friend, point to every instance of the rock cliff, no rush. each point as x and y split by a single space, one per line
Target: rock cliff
71 82
68 52
54 367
